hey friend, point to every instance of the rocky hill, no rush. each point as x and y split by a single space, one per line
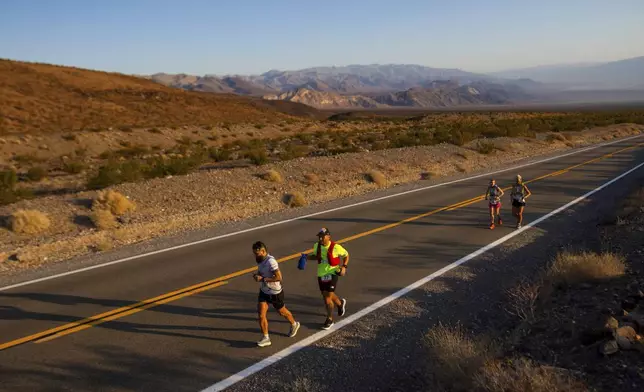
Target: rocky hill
432 95
325 100
47 98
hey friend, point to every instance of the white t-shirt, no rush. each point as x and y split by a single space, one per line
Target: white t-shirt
266 269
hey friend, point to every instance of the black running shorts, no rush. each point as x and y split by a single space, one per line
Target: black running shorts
277 300
328 285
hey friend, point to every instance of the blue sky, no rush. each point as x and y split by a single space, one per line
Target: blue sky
253 36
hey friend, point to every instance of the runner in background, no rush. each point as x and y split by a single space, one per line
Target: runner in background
494 194
520 193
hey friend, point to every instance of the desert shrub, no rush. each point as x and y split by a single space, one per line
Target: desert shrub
28 222
293 151
272 175
295 199
73 167
8 179
114 173
103 219
257 156
571 268
36 173
486 148
114 202
219 154
376 177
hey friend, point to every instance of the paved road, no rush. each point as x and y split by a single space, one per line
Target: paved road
195 338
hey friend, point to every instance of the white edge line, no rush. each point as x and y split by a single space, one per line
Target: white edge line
13 286
221 385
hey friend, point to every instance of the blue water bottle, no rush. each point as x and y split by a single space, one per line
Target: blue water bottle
302 263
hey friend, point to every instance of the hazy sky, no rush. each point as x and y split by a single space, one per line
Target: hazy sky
253 36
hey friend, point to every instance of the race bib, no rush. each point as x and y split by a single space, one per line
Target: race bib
326 278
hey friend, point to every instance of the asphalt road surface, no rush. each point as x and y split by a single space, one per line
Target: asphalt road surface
185 319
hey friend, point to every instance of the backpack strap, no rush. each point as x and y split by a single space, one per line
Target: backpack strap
319 253
329 255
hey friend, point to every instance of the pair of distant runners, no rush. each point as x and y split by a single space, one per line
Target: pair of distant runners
332 260
519 194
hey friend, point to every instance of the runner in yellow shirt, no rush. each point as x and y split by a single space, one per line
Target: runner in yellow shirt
332 260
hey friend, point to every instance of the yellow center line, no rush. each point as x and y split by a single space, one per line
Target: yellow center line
111 315
128 310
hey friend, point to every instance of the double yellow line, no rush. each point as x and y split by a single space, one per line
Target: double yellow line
89 322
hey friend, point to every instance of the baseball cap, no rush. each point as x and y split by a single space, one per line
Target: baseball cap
324 231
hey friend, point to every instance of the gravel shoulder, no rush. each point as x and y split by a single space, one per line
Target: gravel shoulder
183 209
384 351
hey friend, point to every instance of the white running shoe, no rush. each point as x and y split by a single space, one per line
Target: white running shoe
342 309
294 328
265 342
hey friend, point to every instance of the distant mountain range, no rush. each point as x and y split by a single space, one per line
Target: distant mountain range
400 85
437 94
616 75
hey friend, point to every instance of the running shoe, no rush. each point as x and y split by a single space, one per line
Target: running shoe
294 328
265 342
342 308
328 324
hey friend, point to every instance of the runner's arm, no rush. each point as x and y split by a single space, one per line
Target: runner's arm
487 192
277 277
528 193
345 260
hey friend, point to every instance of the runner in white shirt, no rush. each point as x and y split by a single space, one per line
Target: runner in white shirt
270 292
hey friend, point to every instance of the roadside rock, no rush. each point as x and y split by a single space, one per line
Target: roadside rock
609 347
611 322
625 337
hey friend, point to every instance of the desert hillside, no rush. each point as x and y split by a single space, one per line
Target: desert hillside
47 98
